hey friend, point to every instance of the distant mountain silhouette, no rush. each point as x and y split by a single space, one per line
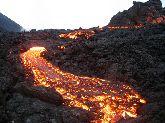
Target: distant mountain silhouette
6 24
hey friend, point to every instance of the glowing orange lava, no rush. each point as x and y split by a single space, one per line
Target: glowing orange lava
87 33
108 101
78 33
150 20
125 27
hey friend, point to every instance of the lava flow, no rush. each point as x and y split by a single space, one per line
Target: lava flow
109 102
78 33
86 33
125 27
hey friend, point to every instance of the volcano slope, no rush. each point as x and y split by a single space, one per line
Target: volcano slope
135 56
132 56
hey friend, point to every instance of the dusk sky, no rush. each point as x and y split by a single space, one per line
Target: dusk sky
66 14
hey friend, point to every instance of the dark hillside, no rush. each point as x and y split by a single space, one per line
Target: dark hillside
8 24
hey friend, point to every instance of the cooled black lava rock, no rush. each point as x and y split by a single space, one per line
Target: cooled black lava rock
42 93
156 3
22 109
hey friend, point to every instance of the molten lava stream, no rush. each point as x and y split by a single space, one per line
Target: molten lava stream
109 102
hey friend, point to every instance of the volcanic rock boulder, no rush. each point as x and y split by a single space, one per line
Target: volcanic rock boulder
42 93
72 115
140 13
156 3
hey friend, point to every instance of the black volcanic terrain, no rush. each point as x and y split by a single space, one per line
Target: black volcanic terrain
55 76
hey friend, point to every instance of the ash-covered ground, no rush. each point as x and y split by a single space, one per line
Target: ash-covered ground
135 56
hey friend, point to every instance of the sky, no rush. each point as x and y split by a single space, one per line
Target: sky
63 14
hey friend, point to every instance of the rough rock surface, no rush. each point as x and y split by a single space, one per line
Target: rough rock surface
42 93
22 109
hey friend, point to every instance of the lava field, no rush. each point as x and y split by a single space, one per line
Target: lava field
110 74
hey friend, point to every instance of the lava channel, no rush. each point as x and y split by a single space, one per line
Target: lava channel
108 101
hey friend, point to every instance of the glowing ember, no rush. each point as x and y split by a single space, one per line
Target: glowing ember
108 101
78 33
61 47
158 20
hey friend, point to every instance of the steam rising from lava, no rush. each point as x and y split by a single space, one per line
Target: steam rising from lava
108 101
